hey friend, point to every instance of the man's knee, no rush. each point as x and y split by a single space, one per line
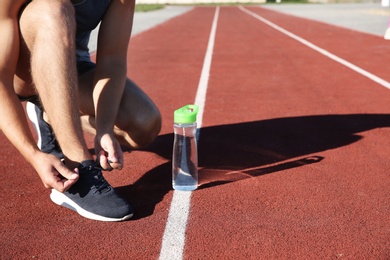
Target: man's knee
155 122
149 127
52 18
144 128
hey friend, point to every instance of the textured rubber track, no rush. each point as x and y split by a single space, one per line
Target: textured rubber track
293 152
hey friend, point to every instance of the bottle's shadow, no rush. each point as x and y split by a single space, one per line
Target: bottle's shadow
232 152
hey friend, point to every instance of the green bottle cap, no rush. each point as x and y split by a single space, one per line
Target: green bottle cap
186 114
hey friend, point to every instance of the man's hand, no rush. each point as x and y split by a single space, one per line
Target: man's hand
53 173
109 152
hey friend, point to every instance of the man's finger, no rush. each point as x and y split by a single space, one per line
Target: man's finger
69 178
66 173
66 184
103 161
112 155
115 165
115 157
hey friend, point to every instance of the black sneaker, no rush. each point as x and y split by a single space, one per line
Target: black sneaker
93 197
47 141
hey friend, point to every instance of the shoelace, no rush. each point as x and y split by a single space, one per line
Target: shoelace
98 180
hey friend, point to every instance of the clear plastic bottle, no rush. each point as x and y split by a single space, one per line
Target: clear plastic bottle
185 153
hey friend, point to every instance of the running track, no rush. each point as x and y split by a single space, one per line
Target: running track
293 150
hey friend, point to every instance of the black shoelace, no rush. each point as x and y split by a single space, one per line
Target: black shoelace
94 174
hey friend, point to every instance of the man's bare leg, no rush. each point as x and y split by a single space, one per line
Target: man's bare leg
138 122
48 29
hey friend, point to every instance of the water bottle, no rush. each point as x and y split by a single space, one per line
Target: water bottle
185 153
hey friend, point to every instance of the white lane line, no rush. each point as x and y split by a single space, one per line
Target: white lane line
359 70
200 98
173 241
174 235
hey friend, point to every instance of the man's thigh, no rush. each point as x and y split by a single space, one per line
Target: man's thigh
23 83
36 19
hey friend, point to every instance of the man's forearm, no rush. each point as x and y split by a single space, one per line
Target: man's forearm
13 121
107 97
14 125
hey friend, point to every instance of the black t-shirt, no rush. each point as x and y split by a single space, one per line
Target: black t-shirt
89 13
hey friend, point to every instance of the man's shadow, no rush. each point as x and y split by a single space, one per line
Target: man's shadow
233 152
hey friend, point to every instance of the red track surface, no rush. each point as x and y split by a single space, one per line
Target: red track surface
293 153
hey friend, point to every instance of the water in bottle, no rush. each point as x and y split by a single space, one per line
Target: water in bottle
185 154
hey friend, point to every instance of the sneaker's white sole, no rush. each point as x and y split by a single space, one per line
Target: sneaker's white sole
32 115
62 200
387 34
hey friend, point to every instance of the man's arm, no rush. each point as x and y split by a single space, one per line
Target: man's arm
11 118
13 121
113 41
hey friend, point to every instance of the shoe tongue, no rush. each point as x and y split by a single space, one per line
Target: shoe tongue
87 163
87 168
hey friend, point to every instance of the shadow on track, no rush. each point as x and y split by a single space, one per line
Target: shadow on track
232 152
